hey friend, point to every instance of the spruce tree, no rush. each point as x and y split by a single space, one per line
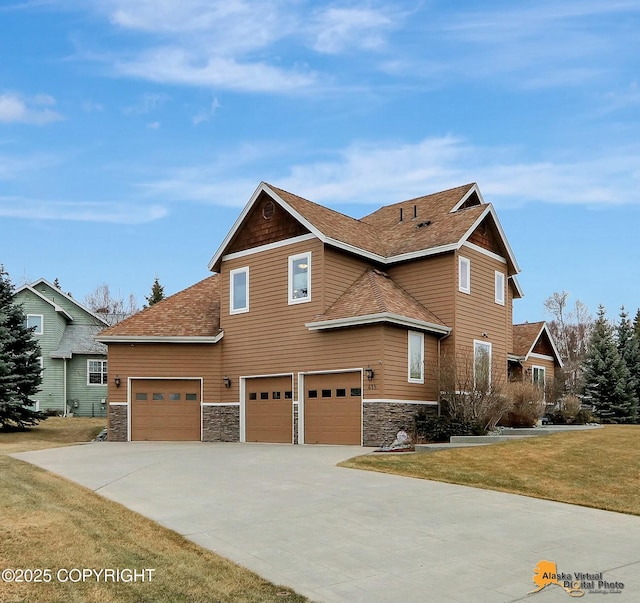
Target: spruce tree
606 376
20 370
157 293
636 325
629 350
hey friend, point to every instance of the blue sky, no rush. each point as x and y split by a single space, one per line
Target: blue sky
132 132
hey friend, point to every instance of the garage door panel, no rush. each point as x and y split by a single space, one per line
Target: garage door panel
165 410
333 408
269 410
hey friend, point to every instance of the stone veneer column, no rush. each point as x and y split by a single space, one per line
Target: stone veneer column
382 420
221 423
118 423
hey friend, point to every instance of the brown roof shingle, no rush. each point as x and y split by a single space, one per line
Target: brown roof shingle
525 336
374 293
193 312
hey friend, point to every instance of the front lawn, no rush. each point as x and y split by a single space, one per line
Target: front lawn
597 468
48 522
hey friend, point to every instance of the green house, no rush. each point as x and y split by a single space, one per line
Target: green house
74 365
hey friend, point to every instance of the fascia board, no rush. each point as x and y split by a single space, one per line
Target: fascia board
107 339
473 189
378 318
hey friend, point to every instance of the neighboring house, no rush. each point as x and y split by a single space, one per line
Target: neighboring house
74 364
317 327
535 356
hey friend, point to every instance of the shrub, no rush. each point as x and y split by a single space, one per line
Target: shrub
527 405
430 428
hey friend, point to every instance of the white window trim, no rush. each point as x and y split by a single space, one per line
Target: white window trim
41 316
411 379
464 287
544 372
484 343
293 258
500 281
232 273
102 372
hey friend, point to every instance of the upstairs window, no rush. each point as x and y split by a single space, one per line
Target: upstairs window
37 321
464 274
500 288
239 290
96 372
416 357
300 278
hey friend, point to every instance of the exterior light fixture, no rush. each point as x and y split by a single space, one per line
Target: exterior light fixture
226 381
117 381
369 372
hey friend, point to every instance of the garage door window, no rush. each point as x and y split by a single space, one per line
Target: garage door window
356 391
174 397
341 392
141 397
191 397
312 393
158 396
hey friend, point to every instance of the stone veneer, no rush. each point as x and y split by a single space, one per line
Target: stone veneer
382 420
295 423
118 428
221 423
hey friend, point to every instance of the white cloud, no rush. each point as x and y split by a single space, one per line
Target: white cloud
119 213
380 173
207 114
337 29
15 109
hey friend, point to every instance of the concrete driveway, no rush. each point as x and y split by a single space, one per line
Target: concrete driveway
289 514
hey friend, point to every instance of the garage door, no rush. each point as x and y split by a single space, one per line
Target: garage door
165 409
269 409
333 408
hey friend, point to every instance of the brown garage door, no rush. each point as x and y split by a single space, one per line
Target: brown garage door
269 409
165 409
333 408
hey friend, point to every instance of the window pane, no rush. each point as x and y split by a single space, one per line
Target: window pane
191 397
239 290
356 391
482 365
276 395
312 393
416 354
288 395
341 393
253 396
174 397
300 289
35 321
158 396
264 395
326 393
141 396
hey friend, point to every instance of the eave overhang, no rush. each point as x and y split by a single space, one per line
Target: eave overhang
382 317
107 339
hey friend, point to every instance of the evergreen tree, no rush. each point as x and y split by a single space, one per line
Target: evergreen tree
20 371
606 376
157 293
629 350
636 325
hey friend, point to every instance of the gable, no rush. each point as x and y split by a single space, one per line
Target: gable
487 237
543 345
267 222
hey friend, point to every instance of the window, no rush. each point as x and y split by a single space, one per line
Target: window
481 365
312 393
264 395
538 376
300 278
174 397
464 274
416 357
500 288
158 397
288 395
326 393
341 392
239 290
253 396
35 321
140 396
356 391
276 395
191 397
96 372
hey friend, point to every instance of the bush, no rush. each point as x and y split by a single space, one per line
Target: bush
527 405
430 428
570 412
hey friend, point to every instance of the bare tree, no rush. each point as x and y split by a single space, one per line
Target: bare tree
472 390
111 308
571 329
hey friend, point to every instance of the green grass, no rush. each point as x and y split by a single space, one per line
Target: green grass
49 522
597 468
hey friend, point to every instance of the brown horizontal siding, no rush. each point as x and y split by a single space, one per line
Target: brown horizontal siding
271 338
340 271
431 281
165 360
477 313
396 382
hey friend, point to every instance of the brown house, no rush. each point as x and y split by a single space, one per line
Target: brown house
317 327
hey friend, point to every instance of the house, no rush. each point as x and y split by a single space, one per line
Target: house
74 364
317 327
535 356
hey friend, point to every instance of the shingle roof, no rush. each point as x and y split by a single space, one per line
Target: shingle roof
79 339
374 294
382 232
525 336
193 312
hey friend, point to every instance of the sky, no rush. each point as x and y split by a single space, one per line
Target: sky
132 132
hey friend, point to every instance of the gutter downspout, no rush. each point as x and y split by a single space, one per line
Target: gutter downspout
64 386
439 369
